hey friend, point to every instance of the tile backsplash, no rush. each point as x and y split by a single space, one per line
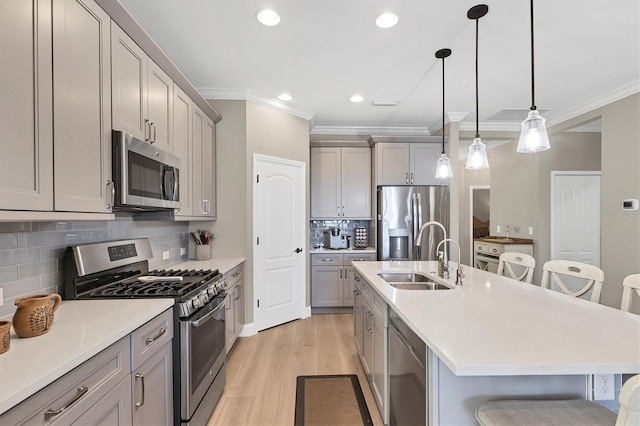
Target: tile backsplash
347 227
32 253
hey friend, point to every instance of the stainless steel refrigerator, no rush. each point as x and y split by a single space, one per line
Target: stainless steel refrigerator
402 210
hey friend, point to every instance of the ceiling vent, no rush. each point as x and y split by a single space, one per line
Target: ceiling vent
385 103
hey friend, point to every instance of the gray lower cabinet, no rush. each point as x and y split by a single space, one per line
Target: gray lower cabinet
234 315
130 382
332 278
370 331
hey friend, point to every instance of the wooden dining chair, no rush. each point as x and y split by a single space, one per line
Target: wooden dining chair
592 275
572 412
631 284
522 262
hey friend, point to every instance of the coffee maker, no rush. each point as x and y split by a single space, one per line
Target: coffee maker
333 239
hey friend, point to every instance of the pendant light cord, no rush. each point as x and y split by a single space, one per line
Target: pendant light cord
443 120
477 108
533 84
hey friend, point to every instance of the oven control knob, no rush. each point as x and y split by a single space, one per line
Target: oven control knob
204 298
195 302
211 291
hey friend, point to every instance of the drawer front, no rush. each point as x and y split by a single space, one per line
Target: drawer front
358 281
379 308
235 275
367 291
348 258
494 249
326 259
76 392
151 337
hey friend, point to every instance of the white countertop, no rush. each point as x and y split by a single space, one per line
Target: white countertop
81 329
492 325
224 265
342 251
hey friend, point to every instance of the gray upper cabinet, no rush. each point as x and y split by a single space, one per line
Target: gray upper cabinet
26 165
142 94
81 106
203 172
340 183
183 146
406 163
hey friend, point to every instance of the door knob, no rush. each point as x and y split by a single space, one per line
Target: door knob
298 250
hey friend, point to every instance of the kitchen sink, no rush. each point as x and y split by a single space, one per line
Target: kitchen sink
404 277
411 281
420 286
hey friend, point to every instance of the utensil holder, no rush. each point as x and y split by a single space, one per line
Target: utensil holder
5 336
203 252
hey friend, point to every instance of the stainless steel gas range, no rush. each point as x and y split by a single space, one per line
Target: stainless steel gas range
120 269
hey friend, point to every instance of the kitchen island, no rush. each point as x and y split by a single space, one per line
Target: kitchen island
494 337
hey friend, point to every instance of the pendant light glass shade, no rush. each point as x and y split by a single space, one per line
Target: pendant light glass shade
477 158
444 170
534 136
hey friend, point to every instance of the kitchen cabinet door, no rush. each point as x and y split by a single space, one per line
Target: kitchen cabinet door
129 84
379 371
367 342
326 286
358 320
209 166
152 389
26 175
326 198
183 147
348 297
202 161
356 183
392 163
423 160
113 409
160 107
238 304
81 106
229 320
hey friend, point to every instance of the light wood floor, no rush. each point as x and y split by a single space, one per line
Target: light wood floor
262 369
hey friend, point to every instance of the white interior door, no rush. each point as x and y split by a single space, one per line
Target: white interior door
279 223
575 216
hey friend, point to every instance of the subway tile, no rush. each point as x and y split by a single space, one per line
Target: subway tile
54 280
55 226
37 268
21 288
8 273
52 252
89 225
8 241
18 256
7 227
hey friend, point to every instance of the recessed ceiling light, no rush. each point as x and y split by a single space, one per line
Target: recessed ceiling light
268 17
285 97
356 98
387 20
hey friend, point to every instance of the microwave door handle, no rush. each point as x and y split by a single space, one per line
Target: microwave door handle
176 184
163 191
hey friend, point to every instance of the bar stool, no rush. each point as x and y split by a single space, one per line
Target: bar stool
574 412
631 284
522 261
593 275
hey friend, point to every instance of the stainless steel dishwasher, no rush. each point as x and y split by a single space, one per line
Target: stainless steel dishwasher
408 375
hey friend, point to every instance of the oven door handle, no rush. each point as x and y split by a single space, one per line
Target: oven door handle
207 317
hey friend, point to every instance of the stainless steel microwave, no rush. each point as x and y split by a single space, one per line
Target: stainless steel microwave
144 177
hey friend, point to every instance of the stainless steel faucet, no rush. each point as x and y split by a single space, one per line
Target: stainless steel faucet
459 272
418 241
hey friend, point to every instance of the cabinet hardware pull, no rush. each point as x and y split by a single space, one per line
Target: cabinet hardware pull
357 278
113 193
235 274
340 272
146 130
327 259
155 132
52 413
406 177
237 293
150 340
411 177
141 377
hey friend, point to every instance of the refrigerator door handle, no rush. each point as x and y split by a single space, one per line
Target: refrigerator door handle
420 223
414 216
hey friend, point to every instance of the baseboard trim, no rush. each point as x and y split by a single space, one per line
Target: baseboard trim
248 330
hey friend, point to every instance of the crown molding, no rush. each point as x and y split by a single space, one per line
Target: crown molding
599 102
492 144
456 116
492 126
356 130
255 97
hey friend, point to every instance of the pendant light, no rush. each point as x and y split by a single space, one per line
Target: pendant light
477 158
533 137
443 170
